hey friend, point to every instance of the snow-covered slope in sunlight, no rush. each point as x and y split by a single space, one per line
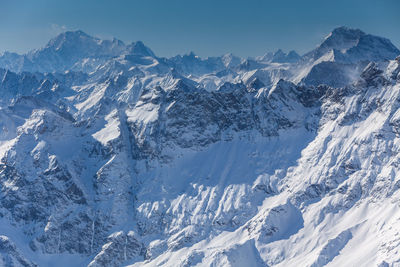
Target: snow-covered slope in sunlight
112 156
342 55
72 50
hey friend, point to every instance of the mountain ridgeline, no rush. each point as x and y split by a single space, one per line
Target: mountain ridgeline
113 156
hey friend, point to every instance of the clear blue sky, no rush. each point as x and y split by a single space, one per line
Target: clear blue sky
207 27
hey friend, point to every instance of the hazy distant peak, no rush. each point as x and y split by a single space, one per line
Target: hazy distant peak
342 38
352 45
139 48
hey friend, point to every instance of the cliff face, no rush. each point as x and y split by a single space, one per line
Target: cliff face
184 161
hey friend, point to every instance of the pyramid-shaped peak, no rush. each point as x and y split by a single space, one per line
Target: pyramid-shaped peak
293 53
139 48
342 38
349 45
192 54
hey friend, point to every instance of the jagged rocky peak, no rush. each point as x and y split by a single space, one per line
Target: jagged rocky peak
230 60
395 70
281 57
190 56
371 71
138 48
293 54
372 75
139 162
186 59
191 64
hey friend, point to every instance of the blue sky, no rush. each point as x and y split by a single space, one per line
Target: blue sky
207 27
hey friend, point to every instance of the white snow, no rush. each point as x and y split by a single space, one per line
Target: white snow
116 168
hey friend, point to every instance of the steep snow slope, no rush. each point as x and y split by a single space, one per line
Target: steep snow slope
337 204
139 160
352 45
343 54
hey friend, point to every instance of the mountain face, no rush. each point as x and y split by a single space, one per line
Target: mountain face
112 156
281 57
344 53
72 50
350 45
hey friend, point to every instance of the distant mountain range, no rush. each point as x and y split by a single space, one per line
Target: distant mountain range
113 156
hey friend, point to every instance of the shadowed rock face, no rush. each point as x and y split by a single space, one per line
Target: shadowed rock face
132 158
11 255
197 118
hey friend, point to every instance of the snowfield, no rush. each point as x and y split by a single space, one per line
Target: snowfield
112 156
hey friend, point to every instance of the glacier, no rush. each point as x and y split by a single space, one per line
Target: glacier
113 156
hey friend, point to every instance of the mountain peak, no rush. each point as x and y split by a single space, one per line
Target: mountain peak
139 48
348 45
347 30
73 34
342 38
281 57
77 33
70 37
279 52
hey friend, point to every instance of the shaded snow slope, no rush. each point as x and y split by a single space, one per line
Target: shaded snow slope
146 161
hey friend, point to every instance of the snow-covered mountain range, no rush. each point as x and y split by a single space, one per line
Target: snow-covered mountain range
113 156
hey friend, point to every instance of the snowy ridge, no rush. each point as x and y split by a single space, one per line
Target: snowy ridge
112 156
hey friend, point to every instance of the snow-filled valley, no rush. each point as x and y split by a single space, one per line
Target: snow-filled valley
113 156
